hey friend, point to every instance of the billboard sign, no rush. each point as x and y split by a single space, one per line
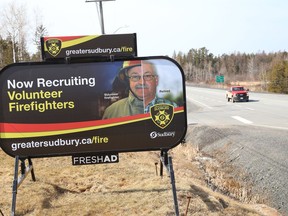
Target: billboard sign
61 47
57 109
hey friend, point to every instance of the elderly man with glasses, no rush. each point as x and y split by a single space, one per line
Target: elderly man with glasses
143 80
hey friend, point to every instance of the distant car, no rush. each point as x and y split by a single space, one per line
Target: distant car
237 93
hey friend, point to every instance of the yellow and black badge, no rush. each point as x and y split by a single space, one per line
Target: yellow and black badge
53 46
162 114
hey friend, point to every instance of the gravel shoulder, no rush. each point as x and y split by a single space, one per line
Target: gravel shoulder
243 155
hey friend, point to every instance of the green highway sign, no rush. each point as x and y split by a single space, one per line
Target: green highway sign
220 78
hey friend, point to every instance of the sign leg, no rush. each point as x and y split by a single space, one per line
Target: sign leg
172 178
32 169
15 186
19 179
167 162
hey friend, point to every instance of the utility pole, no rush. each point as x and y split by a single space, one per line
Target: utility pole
101 12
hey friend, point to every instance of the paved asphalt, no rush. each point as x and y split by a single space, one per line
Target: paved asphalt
256 131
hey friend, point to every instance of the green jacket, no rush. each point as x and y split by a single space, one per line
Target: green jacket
131 106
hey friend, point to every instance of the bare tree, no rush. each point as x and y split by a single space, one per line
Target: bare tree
14 24
251 69
39 32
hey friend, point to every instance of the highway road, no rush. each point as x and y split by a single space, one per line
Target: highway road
257 133
263 110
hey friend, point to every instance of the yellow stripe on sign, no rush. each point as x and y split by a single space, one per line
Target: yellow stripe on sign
61 132
8 135
78 41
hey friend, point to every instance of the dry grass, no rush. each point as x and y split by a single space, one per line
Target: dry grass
130 187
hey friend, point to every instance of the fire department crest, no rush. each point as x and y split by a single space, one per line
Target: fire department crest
162 114
54 46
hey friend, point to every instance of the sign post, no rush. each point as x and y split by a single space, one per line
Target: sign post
166 161
101 12
24 171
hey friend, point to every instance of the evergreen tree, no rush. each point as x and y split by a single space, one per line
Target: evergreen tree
279 78
6 52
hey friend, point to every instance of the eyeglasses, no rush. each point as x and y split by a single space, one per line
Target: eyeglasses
147 77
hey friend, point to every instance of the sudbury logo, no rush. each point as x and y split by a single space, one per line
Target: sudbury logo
154 134
54 46
162 114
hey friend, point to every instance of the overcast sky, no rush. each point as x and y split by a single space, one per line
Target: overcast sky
165 26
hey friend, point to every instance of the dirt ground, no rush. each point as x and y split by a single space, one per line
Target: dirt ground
131 187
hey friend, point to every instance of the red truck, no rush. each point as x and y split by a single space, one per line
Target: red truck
237 93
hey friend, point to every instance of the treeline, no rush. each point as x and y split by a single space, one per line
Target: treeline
269 71
17 32
14 51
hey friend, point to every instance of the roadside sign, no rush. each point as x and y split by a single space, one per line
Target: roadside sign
57 109
220 78
61 47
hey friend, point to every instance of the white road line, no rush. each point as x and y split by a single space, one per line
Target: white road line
249 108
245 121
273 127
201 103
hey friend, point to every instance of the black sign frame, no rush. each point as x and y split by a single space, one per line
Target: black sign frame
168 135
55 48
